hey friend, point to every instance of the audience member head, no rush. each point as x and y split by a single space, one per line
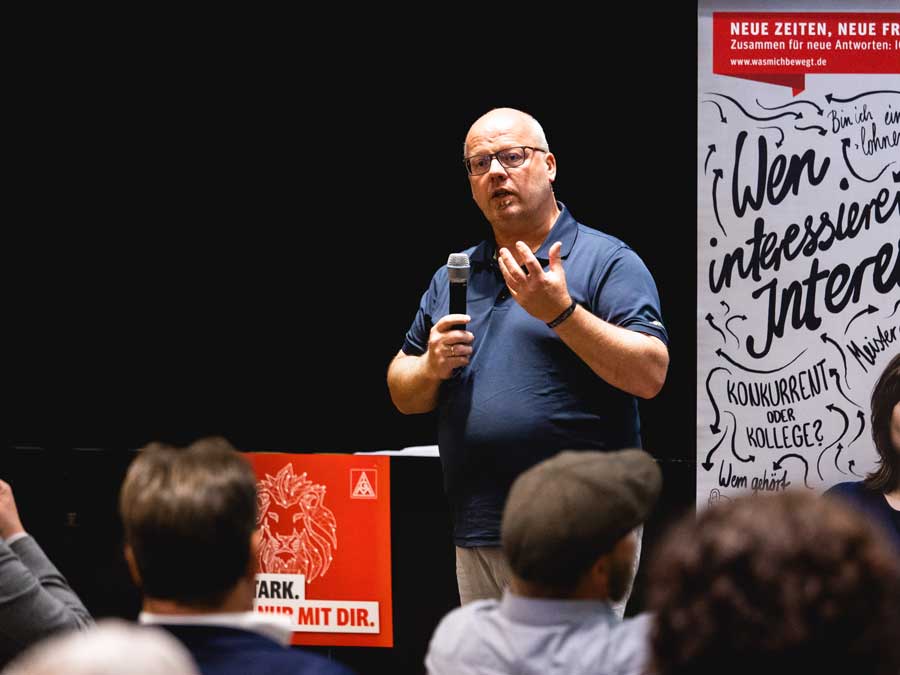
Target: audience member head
112 647
886 429
190 525
792 582
568 526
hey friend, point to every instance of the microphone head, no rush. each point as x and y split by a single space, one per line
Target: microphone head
458 268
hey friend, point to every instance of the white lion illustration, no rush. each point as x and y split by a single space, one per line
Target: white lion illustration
298 530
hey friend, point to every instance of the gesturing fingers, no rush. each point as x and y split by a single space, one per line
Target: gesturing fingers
531 263
555 258
512 273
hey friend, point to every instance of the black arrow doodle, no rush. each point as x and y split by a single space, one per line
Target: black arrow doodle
709 320
861 416
836 457
850 465
708 464
725 356
871 309
837 381
728 309
728 321
896 175
832 408
721 112
777 465
718 176
825 338
832 98
714 427
733 434
712 149
822 131
778 129
845 143
797 116
779 107
896 305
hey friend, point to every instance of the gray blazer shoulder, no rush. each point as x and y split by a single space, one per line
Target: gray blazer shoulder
35 599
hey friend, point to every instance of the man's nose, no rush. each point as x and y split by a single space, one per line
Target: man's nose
496 167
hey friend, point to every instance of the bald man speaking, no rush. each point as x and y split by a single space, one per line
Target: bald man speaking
564 330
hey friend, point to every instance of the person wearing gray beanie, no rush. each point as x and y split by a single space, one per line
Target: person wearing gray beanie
568 534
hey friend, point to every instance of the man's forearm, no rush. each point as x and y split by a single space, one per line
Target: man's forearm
633 362
413 389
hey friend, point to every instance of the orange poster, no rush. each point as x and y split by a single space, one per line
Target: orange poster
325 558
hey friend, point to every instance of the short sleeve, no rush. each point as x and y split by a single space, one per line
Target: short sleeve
626 296
416 341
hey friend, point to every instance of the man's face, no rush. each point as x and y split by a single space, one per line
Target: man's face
504 194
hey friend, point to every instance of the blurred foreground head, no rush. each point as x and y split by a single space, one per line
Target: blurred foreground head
112 647
792 582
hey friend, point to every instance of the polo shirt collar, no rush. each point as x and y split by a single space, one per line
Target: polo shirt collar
565 229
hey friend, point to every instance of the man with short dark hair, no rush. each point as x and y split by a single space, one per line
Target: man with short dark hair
191 542
568 534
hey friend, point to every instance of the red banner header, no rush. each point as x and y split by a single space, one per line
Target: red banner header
783 47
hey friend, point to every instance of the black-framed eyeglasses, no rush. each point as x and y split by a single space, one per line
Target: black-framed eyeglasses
477 165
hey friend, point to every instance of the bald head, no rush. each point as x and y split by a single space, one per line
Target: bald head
515 195
504 120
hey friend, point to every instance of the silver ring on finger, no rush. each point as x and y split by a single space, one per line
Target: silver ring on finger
452 350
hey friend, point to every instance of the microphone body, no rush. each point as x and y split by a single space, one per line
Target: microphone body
458 273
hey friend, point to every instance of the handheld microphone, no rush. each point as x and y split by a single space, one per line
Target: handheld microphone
458 272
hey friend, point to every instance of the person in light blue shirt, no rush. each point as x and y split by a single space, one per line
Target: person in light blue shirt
568 534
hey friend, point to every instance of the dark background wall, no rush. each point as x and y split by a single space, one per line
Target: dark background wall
231 236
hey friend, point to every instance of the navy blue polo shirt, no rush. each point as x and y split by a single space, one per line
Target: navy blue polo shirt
525 395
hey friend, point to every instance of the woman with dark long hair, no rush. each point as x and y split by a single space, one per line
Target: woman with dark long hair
878 496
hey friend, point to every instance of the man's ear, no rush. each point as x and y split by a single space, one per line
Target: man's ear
599 574
550 159
132 565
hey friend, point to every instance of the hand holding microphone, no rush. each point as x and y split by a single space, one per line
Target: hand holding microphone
449 343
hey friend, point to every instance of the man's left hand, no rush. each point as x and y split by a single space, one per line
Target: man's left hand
544 295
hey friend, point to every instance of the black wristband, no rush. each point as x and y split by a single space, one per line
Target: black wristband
565 315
